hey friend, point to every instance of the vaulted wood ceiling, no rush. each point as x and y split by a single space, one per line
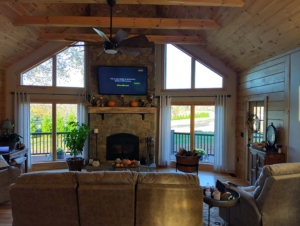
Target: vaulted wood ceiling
240 33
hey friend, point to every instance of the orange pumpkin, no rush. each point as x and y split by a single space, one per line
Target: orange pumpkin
111 103
134 104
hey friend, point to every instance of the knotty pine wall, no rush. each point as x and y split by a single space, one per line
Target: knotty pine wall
269 79
2 97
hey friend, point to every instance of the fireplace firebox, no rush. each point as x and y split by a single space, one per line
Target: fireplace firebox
122 145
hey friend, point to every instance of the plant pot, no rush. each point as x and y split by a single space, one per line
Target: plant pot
60 156
187 164
75 164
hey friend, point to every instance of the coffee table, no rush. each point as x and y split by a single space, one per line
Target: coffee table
221 203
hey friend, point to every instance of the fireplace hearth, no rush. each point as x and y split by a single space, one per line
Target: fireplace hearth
122 145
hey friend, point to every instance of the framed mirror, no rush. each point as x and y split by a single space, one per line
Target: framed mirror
271 135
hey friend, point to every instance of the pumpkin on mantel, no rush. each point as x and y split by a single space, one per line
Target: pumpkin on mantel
134 103
111 103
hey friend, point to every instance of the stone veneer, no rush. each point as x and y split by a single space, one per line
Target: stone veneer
120 123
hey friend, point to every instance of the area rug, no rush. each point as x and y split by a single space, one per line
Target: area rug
215 219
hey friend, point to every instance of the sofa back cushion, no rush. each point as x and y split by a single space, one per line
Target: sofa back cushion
48 199
107 198
274 170
168 199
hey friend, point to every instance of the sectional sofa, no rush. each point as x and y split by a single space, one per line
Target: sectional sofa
106 198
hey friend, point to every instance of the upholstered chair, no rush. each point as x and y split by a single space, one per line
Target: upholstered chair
273 200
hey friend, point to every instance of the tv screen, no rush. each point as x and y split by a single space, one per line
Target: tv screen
122 80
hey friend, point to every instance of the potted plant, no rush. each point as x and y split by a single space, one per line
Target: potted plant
60 153
10 139
201 152
187 161
75 140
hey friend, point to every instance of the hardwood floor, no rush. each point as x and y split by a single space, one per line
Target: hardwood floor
204 176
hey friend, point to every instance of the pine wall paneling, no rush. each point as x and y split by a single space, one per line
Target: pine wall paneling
2 95
269 79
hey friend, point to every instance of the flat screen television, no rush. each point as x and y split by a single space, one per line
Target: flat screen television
127 80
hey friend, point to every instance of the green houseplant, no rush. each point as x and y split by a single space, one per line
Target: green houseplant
75 140
201 152
10 139
60 153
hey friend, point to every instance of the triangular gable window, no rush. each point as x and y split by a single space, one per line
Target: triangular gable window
206 78
65 69
185 72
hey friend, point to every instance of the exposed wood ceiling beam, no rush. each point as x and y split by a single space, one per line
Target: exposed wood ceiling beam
227 3
158 39
118 22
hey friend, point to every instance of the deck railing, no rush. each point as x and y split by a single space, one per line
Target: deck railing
203 140
41 143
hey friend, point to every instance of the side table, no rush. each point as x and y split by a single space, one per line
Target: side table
14 154
221 203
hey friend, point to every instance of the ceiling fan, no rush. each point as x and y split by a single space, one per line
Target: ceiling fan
119 43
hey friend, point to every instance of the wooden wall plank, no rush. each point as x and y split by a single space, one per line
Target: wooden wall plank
278 68
266 79
2 96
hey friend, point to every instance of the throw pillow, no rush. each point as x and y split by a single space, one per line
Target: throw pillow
3 163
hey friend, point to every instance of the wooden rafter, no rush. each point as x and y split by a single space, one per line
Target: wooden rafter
227 3
158 39
119 22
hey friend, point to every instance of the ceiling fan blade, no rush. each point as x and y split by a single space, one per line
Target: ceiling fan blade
120 36
100 53
129 51
134 41
101 34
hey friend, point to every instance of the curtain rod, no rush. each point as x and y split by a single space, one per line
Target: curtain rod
90 95
55 94
192 96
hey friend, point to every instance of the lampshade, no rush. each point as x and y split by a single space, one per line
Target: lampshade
7 124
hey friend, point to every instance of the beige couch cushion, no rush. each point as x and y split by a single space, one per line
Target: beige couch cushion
107 198
48 199
7 177
168 199
274 170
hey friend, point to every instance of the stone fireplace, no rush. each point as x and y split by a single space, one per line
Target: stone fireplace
131 128
122 145
121 118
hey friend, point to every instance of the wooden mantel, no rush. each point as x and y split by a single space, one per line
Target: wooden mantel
122 110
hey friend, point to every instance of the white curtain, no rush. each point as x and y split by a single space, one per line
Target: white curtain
220 163
164 152
22 119
82 117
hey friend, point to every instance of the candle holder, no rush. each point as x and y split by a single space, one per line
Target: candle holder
122 100
96 161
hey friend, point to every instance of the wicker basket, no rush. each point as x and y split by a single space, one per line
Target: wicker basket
75 164
187 164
